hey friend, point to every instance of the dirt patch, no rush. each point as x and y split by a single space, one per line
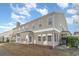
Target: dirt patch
33 50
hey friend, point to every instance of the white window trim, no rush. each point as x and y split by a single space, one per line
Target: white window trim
43 34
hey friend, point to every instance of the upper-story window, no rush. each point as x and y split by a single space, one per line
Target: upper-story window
34 26
18 34
50 20
40 25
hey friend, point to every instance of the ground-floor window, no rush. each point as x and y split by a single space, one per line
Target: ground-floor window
56 37
39 38
49 38
18 39
18 34
44 38
30 39
23 39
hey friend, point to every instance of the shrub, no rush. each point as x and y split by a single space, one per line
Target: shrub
72 41
7 40
3 39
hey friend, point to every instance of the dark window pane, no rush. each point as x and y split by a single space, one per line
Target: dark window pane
50 21
44 38
39 38
30 39
18 34
49 38
55 37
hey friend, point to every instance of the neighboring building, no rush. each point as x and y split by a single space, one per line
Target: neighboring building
6 36
45 30
76 33
65 33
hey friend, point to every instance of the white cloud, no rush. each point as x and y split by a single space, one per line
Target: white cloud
63 5
76 19
43 11
77 29
69 20
7 27
73 20
71 11
17 18
30 5
76 5
25 10
3 27
22 11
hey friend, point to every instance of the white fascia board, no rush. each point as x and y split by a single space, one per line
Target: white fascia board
43 34
49 34
49 29
39 35
57 30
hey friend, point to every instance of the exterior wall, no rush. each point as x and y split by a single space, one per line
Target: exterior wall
54 35
24 38
40 27
41 34
60 22
76 33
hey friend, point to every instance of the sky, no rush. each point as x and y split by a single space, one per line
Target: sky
10 13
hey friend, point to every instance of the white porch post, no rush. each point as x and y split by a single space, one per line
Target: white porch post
53 31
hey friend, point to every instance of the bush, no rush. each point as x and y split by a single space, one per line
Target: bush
7 40
3 39
72 41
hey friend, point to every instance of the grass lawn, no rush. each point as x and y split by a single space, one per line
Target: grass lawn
36 50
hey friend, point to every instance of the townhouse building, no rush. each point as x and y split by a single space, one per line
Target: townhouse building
45 30
6 36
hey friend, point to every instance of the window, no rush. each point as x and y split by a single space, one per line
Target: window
49 38
40 25
23 39
50 20
18 34
39 38
44 38
55 37
30 39
18 39
34 26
